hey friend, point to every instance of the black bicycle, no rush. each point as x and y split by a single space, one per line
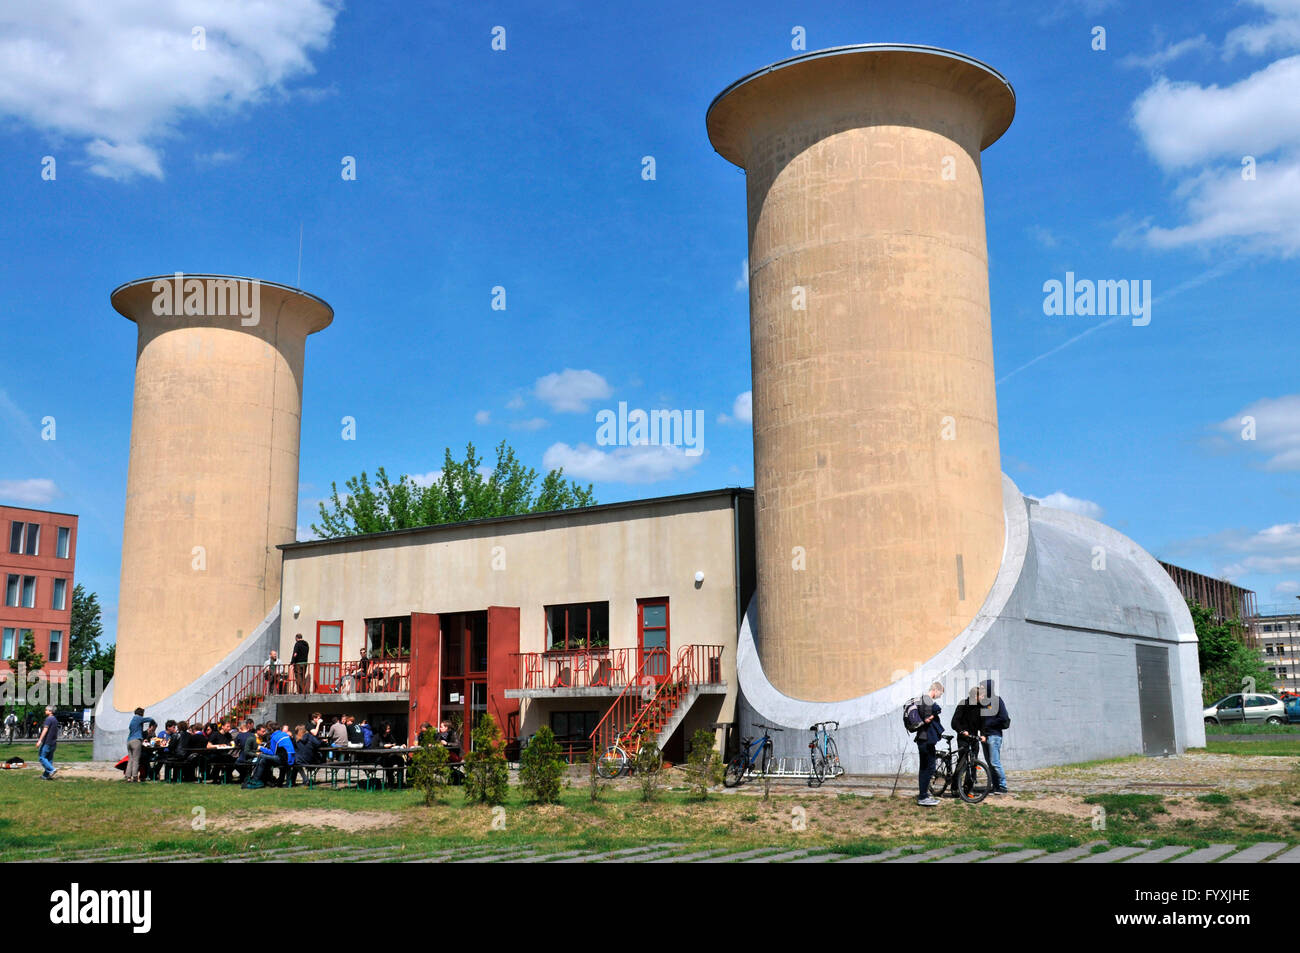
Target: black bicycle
753 755
968 777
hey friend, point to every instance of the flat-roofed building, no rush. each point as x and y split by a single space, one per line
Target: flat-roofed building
38 554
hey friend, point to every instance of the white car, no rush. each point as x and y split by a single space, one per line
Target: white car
1257 710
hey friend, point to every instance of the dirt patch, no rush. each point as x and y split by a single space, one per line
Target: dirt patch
336 819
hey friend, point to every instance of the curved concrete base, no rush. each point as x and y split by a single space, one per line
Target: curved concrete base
1057 634
111 725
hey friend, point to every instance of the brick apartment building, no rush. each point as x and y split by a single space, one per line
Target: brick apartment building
38 551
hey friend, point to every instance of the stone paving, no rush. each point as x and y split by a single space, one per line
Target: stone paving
1097 852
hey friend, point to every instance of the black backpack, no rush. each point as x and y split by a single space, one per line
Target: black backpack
914 715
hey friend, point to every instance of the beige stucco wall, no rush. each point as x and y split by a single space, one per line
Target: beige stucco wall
212 484
617 557
864 190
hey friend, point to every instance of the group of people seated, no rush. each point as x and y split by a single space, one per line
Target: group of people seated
267 754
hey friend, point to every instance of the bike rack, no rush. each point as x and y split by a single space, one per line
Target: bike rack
792 768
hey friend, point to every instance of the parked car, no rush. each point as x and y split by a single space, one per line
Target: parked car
1293 709
1256 710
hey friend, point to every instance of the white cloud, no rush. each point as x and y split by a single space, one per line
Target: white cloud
639 464
1288 588
1276 430
304 534
742 282
741 410
483 417
1168 54
1042 235
515 403
532 423
36 492
425 479
1063 501
1236 148
1280 33
121 77
571 391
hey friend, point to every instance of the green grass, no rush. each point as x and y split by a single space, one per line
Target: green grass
1137 806
1281 748
1218 799
64 753
1253 730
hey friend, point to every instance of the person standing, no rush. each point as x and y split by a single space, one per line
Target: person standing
46 742
299 659
134 745
994 720
927 736
11 727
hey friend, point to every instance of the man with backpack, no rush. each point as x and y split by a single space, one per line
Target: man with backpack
921 716
993 721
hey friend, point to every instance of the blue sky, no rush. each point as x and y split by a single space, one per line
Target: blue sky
522 168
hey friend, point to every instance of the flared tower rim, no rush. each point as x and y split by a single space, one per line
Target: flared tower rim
992 135
136 282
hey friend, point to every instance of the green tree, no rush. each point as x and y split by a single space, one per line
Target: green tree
430 768
541 767
461 492
1226 660
87 628
649 766
26 653
703 764
487 779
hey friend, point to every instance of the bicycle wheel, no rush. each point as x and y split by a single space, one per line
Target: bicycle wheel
765 762
939 782
833 766
612 762
734 776
818 773
976 782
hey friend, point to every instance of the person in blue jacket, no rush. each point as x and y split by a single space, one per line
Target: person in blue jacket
993 721
279 754
927 736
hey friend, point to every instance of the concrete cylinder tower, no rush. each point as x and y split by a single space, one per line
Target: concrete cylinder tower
879 516
212 485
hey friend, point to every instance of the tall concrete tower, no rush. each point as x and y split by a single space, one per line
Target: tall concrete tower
879 515
212 485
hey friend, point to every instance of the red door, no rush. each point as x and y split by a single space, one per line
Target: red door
424 681
329 655
503 667
652 637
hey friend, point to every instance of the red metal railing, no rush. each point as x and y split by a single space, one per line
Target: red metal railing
577 668
247 688
647 704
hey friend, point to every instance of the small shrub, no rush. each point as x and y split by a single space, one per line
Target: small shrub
541 767
649 764
703 764
430 768
487 779
595 783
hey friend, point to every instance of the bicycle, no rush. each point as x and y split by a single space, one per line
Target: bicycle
969 778
620 758
825 756
741 768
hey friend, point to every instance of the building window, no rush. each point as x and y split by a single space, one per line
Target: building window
8 646
579 625
33 539
29 592
389 638
12 582
1268 648
16 537
60 595
65 536
56 645
572 726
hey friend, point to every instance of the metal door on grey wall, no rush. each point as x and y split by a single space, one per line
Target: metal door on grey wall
1155 700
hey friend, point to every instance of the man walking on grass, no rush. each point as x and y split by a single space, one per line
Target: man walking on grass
46 743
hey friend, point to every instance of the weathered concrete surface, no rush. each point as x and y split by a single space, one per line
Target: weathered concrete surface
878 503
212 484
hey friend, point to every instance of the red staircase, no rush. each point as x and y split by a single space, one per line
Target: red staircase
648 703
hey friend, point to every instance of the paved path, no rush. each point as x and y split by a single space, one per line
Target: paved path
1096 852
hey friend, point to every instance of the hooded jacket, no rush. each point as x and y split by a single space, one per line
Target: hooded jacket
993 722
